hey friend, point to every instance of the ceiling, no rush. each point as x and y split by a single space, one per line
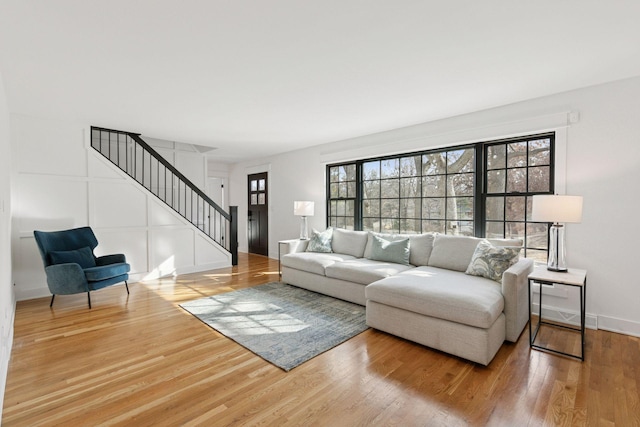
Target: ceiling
262 77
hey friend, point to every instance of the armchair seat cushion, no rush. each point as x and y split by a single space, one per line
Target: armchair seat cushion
96 274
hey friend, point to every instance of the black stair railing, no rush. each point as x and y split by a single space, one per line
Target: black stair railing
142 163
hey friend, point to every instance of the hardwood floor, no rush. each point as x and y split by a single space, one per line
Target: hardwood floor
141 360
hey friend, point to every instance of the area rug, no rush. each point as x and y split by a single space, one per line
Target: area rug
283 324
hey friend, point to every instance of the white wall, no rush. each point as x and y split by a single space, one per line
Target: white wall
60 182
598 135
7 297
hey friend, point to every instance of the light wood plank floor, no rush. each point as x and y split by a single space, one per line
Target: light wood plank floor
143 361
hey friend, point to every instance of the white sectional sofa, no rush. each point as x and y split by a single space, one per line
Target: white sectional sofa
427 297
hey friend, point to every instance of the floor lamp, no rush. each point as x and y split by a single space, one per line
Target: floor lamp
557 209
303 209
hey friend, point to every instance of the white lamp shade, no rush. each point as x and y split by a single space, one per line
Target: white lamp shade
557 208
303 208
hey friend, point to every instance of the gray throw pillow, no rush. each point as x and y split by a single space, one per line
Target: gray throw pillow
390 251
320 241
492 261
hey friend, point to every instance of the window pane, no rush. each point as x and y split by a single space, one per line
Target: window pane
349 208
351 189
371 170
465 228
495 208
539 256
333 221
537 235
390 168
261 199
517 154
460 185
390 208
496 181
333 206
459 208
349 223
409 226
496 157
433 208
433 226
371 224
539 179
390 225
410 208
342 189
340 222
516 208
254 185
335 190
341 208
517 180
434 164
494 230
371 189
540 152
460 161
410 166
350 172
433 186
514 230
390 188
333 174
371 208
409 187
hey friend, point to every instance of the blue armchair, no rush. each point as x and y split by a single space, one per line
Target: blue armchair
72 268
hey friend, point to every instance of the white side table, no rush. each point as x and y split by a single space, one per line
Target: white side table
573 277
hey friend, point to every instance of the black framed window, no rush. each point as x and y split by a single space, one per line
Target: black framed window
482 189
341 200
516 170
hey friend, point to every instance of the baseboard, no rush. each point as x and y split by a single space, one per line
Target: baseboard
620 326
563 315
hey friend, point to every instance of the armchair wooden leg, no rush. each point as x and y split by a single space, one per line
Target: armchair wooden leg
52 298
125 283
89 298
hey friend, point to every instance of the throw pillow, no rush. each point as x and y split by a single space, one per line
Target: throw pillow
390 251
320 241
83 256
492 261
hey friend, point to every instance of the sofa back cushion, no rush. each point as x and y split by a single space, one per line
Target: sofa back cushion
349 242
453 252
420 245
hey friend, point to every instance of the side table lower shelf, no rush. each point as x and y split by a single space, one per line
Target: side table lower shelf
573 277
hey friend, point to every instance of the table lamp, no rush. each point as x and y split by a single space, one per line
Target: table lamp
557 209
303 209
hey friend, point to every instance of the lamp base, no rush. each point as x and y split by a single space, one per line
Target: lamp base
557 254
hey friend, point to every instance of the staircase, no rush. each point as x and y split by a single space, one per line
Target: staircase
142 163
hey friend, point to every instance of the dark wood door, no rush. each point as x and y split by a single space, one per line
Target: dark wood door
258 215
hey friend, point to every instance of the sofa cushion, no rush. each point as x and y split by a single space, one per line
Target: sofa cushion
83 257
441 293
420 245
390 251
452 252
320 241
364 271
313 262
492 261
349 242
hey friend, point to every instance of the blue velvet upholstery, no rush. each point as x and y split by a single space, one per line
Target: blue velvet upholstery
72 268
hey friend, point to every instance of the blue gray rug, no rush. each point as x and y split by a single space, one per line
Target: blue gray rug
283 324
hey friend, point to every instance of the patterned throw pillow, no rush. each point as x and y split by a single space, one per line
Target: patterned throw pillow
492 261
320 241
